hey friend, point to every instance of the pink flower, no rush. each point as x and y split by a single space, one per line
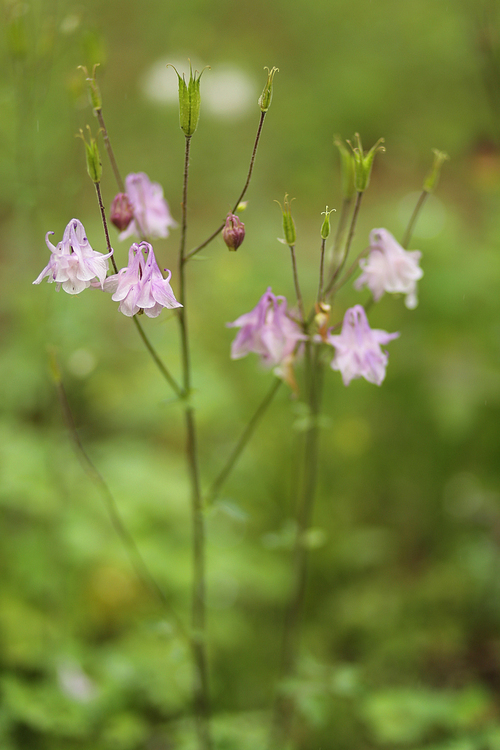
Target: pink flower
390 268
267 330
151 212
73 264
141 286
357 348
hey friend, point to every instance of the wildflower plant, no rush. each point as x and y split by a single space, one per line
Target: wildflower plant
286 336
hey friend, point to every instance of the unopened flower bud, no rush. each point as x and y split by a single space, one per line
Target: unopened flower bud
267 94
94 165
363 162
432 178
189 101
346 169
288 223
121 213
233 232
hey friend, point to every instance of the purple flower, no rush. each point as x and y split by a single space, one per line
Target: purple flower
141 286
390 268
357 348
73 264
151 212
267 330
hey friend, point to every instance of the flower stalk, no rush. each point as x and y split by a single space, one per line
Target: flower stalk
219 229
198 604
284 708
331 287
238 449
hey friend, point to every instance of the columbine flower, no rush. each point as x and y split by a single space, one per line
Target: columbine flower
151 212
73 264
390 268
141 286
267 330
358 353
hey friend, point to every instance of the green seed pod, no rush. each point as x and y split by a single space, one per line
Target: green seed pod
288 223
432 178
94 164
325 227
189 101
266 97
347 167
363 162
93 88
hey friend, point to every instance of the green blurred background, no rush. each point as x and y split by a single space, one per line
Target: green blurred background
401 640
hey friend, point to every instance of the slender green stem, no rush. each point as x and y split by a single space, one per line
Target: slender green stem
247 433
321 271
298 293
114 167
411 224
344 213
198 613
105 224
111 156
136 559
284 707
350 236
166 374
339 233
242 194
352 269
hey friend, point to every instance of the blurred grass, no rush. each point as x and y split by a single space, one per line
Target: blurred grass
401 636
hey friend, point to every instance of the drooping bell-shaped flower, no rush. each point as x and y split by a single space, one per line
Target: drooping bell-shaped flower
73 263
141 286
390 268
151 212
357 348
267 330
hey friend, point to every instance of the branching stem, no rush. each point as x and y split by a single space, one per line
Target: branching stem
198 613
137 561
350 236
284 708
298 293
247 433
413 219
240 197
111 156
